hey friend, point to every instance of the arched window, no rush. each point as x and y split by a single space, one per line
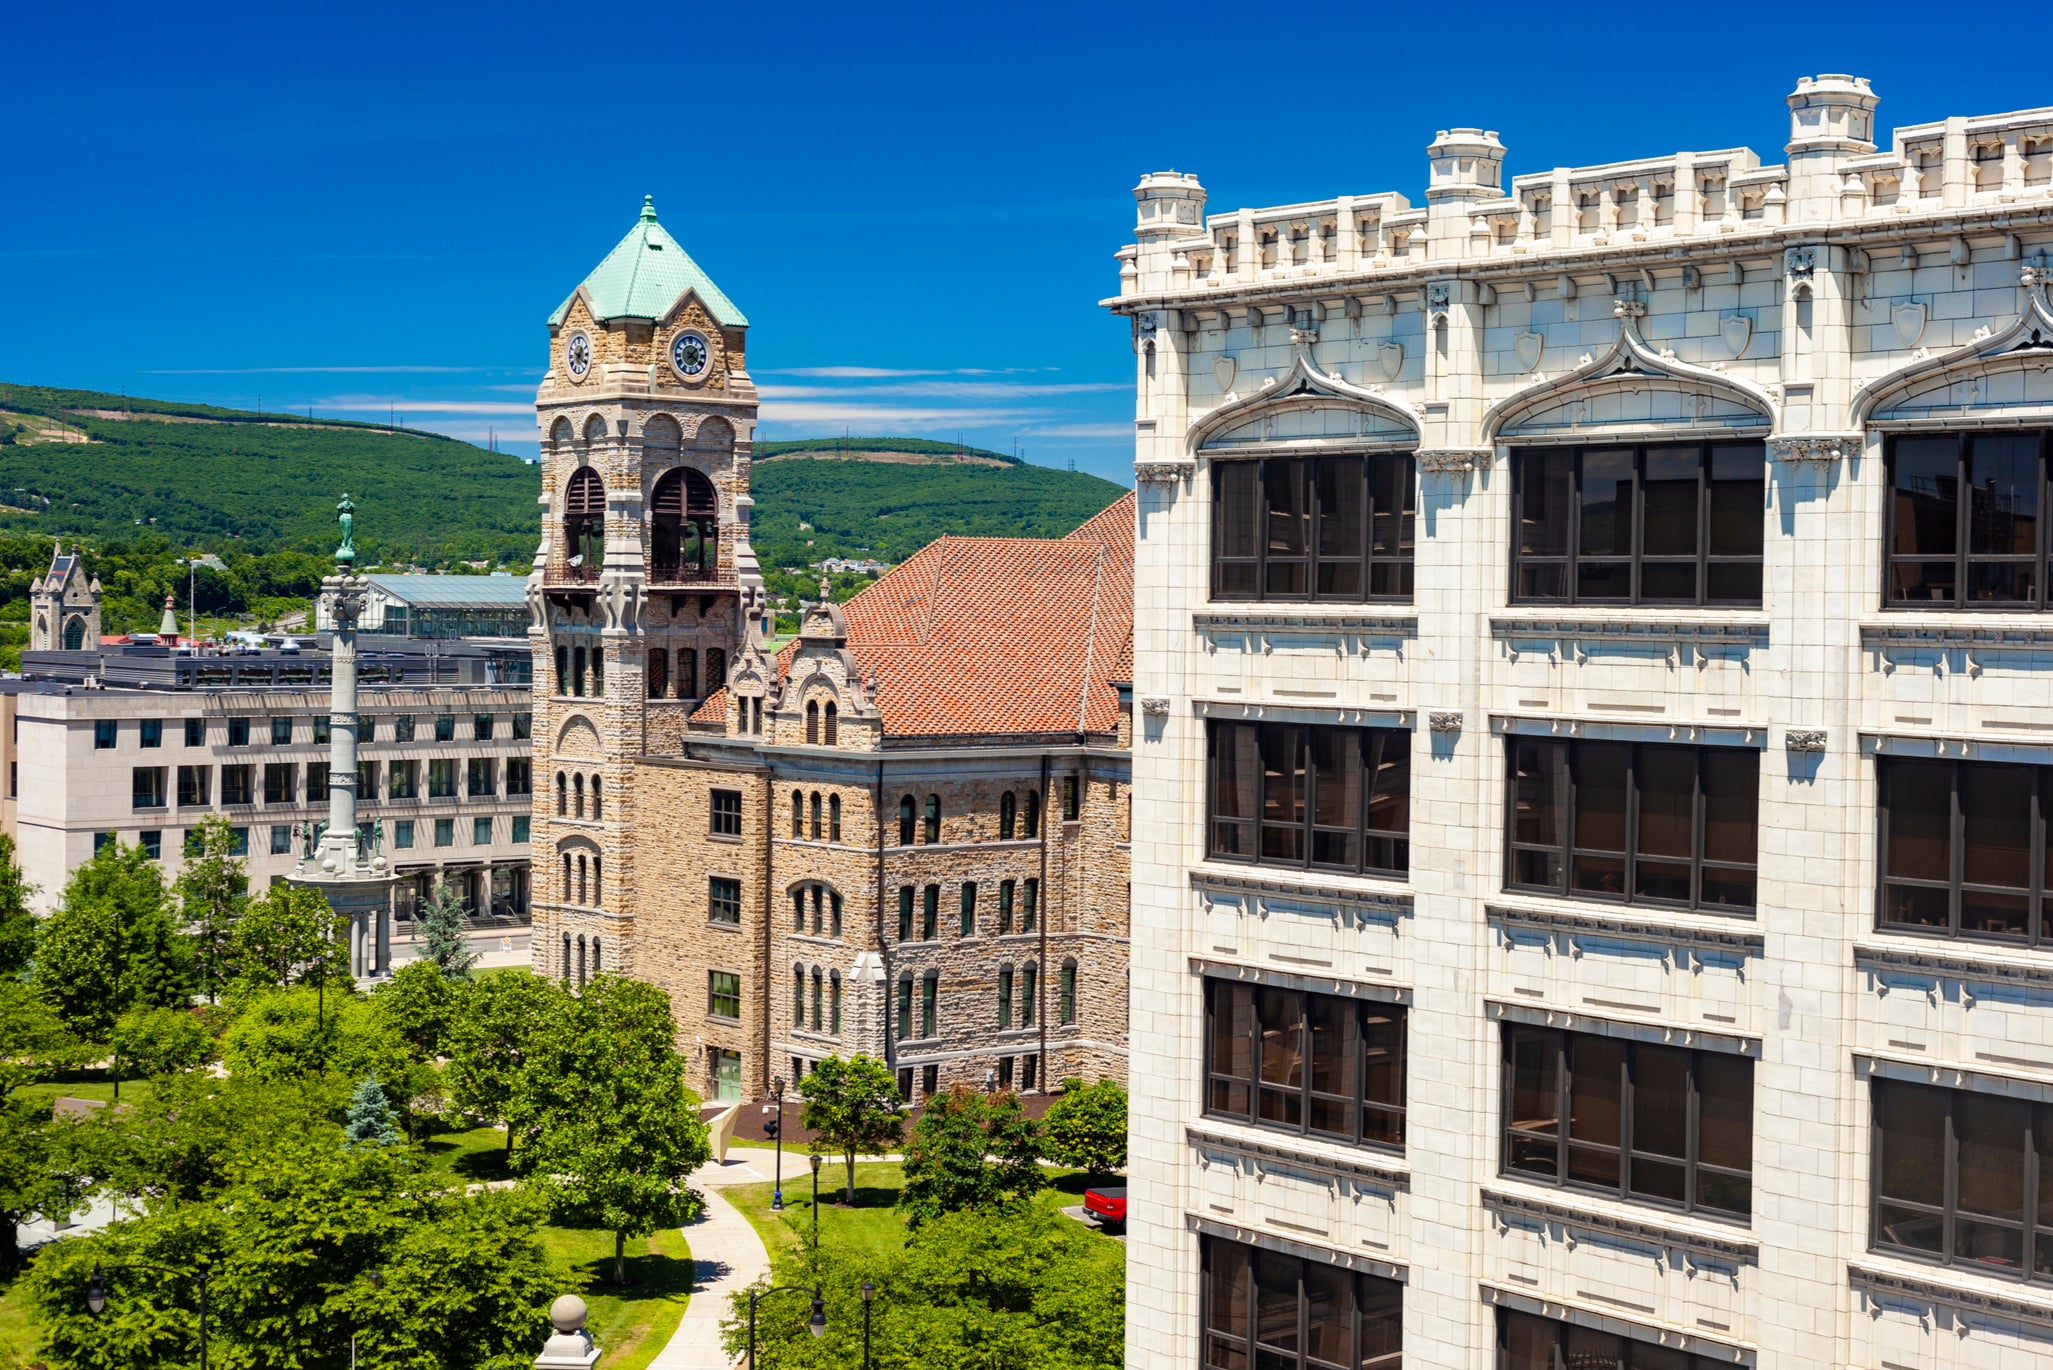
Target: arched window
598 884
580 961
659 672
595 431
1029 909
798 908
584 524
905 821
933 818
584 883
834 908
577 789
798 814
562 794
716 669
1004 997
819 996
831 727
834 1003
1031 982
561 435
816 815
598 801
74 634
812 722
819 910
904 1002
1033 813
833 816
1068 993
930 1004
684 528
597 968
562 670
569 889
1005 816
798 997
566 939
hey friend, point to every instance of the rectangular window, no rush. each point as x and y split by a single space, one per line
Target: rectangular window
726 813
905 913
317 782
483 776
1262 1308
366 729
104 735
1072 803
520 827
969 909
1967 521
402 728
1635 823
520 775
235 785
930 913
193 786
281 839
1004 998
1029 904
147 787
281 732
1526 1341
723 994
523 726
322 733
442 778
1005 892
238 732
930 1004
152 732
481 832
403 779
1964 849
481 728
1300 1062
1657 1124
1297 528
238 841
1655 524
278 778
904 1007
1294 794
104 840
152 843
196 732
445 832
445 727
1068 993
402 832
723 900
1963 1178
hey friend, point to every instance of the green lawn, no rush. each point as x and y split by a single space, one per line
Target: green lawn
17 1329
474 1156
630 1325
97 1087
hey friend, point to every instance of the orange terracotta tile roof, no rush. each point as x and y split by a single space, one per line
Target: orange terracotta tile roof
998 635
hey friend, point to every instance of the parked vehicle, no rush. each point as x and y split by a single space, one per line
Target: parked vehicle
1107 1203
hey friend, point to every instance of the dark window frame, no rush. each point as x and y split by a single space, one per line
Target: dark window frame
1375 752
1236 998
2033 1231
724 813
723 991
1957 888
1394 569
1373 1338
1560 1353
1964 558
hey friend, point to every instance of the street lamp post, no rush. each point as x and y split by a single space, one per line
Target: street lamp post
816 1324
96 1292
869 1293
815 1159
777 1189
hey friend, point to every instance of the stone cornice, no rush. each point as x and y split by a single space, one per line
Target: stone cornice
1569 627
1679 1234
1301 620
1896 1285
1580 922
1364 1168
1644 1026
1319 1251
1271 886
1912 634
1951 960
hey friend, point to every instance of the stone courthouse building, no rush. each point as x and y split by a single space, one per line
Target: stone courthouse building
903 833
1595 760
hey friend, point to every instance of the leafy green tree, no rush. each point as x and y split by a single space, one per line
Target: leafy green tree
160 1041
40 1169
491 1042
212 892
852 1106
112 943
420 1003
289 935
370 1117
17 923
33 1039
1086 1127
440 924
616 1131
178 1143
970 1151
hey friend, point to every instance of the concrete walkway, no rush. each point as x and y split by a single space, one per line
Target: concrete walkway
727 1255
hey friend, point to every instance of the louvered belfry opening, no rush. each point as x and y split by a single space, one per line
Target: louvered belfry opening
684 529
584 525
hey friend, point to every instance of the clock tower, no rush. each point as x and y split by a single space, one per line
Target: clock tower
644 583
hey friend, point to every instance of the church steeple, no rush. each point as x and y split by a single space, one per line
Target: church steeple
64 606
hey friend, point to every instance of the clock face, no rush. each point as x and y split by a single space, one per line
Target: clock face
578 356
689 353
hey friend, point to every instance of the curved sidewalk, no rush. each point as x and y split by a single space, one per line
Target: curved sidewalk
727 1255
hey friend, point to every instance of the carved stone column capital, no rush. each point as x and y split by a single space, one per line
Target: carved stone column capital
1164 473
1820 449
1455 460
1155 706
1447 721
1804 739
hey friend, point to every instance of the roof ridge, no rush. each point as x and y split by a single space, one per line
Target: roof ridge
1083 704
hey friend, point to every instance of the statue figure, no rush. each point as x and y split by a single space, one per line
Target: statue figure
345 555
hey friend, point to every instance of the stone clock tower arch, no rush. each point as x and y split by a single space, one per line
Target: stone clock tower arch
644 582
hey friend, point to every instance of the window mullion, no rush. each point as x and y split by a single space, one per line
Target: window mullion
1632 821
1693 1114
1575 525
1366 553
1697 808
1704 523
1963 521
1950 1191
1625 1074
1565 792
1261 541
2028 1250
1562 1095
1956 842
1310 785
1304 1047
1636 514
2037 915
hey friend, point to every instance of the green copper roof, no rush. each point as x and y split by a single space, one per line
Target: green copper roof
647 273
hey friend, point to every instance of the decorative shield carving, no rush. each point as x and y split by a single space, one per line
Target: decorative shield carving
1222 370
1738 331
1390 359
1909 317
1528 347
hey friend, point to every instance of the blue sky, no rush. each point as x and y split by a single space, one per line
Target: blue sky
372 209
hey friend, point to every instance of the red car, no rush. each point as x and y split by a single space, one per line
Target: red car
1107 1204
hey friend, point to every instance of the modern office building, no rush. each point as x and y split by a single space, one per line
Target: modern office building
1594 761
441 606
136 743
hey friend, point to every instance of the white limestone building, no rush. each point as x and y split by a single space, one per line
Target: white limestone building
1595 759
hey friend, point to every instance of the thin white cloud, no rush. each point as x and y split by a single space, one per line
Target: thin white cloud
323 370
847 373
1080 430
944 390
874 416
379 404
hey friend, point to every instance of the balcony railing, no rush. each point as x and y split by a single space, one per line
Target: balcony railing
687 575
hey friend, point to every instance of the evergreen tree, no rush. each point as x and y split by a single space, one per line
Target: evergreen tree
17 924
113 944
212 891
370 1117
440 925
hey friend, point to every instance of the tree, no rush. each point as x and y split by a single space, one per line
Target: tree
440 925
213 889
39 1172
370 1117
853 1107
970 1150
490 1042
17 923
180 1142
1086 1127
288 935
160 1041
420 1003
616 1130
112 943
